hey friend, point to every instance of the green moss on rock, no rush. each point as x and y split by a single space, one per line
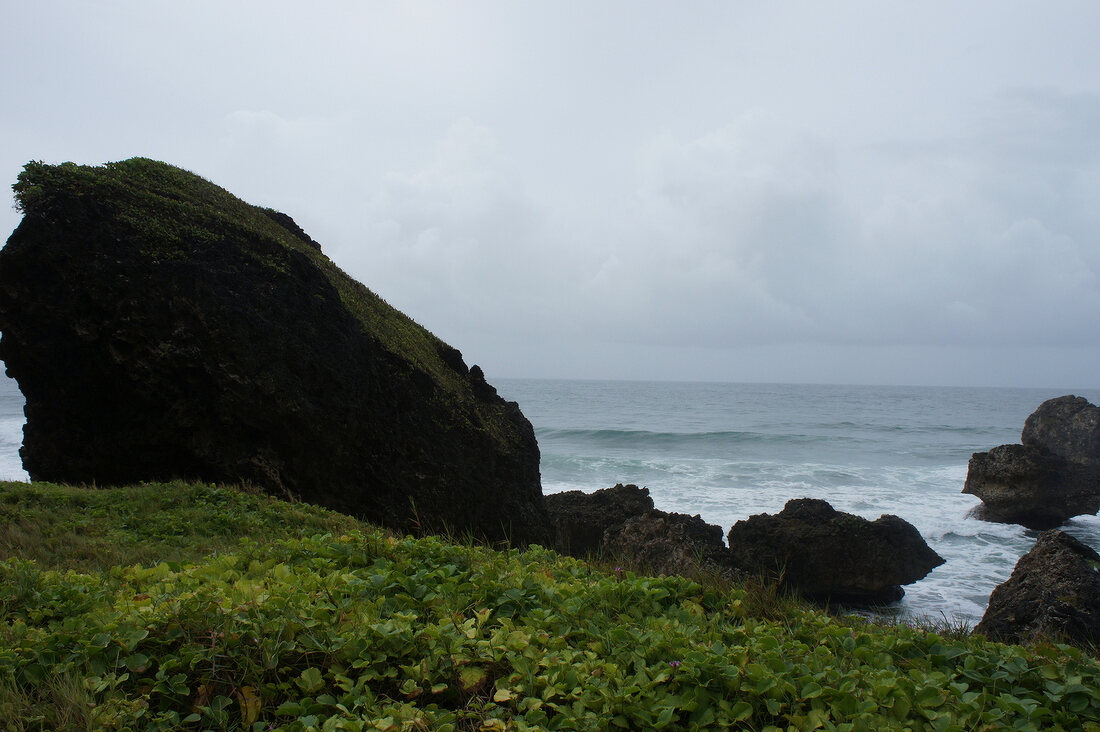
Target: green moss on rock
168 329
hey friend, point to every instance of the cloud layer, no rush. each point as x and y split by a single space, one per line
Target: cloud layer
866 193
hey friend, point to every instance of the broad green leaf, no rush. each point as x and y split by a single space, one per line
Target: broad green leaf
137 662
471 678
310 680
289 709
135 637
929 697
740 711
811 690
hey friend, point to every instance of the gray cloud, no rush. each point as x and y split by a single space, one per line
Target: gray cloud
869 192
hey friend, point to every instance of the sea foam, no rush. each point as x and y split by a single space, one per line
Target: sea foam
729 451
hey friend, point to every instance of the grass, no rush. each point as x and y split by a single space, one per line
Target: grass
61 702
94 529
194 607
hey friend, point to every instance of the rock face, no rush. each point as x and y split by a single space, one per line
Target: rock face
1053 594
669 543
1067 426
811 548
580 519
1027 485
1053 476
160 328
821 552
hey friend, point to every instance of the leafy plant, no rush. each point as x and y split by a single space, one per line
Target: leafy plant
363 630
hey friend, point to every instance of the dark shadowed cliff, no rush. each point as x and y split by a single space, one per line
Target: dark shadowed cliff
159 327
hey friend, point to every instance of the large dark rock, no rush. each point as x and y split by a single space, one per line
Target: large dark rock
669 543
580 519
160 327
1053 476
1053 594
1027 485
820 552
1067 426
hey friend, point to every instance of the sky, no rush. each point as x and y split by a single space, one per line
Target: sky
845 192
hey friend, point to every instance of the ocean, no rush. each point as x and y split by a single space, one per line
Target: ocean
728 451
11 430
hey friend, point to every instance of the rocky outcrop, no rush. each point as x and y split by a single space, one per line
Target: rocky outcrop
820 552
1053 594
669 543
809 547
1053 476
620 524
580 519
1067 426
160 328
1027 485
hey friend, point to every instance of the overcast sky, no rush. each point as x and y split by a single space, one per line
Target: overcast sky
869 192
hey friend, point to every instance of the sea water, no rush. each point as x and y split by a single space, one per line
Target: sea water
11 430
729 451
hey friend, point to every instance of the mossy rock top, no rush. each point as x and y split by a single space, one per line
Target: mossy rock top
168 329
170 211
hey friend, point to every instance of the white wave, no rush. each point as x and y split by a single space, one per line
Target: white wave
11 432
979 555
11 438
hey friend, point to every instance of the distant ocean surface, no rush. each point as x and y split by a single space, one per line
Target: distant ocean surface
728 451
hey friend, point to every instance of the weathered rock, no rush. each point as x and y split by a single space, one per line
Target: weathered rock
580 519
1053 476
820 552
669 543
1027 485
160 327
1067 426
1053 594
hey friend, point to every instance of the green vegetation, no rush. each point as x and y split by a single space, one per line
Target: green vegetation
93 530
168 213
272 625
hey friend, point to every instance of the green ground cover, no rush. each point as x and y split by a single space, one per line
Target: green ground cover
194 607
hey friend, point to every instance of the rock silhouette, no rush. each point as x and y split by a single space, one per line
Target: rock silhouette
824 553
161 328
1068 426
1053 476
580 519
809 547
670 543
1053 594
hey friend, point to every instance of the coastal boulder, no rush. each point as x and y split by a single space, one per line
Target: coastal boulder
820 552
1067 426
1053 476
1030 486
161 328
669 543
1053 594
580 519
